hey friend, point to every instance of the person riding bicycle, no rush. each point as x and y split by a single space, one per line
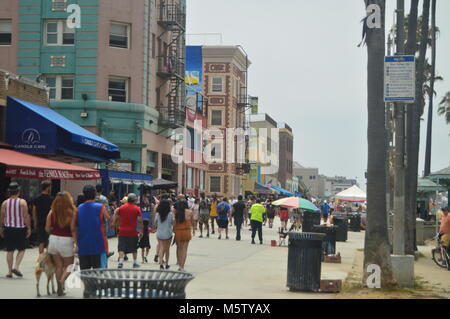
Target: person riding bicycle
444 230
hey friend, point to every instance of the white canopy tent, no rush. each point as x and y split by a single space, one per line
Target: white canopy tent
352 194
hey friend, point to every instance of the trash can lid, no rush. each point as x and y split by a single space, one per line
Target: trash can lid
306 236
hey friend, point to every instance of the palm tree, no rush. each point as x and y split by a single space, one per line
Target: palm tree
444 108
411 47
376 245
431 90
413 133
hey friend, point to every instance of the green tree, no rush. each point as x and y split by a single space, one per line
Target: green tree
444 107
376 244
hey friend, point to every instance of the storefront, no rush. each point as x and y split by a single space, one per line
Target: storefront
38 130
35 129
21 167
122 183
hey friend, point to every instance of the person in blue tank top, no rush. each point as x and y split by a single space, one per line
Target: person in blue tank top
88 225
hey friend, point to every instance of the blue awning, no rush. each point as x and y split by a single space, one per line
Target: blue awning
36 129
282 191
260 188
125 177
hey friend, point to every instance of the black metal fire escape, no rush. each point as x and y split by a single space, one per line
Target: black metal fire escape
171 65
243 106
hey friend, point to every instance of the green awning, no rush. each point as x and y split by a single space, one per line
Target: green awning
425 185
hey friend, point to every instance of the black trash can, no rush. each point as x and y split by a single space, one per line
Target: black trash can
304 261
342 227
134 284
329 241
309 220
355 222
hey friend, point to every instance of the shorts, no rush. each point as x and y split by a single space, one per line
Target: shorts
182 235
58 245
203 219
15 238
284 215
89 261
445 240
222 223
128 244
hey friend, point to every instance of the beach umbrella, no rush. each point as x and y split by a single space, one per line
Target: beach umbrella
296 202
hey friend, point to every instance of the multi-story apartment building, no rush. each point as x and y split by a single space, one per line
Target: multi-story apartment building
309 177
263 152
286 158
330 186
225 86
116 69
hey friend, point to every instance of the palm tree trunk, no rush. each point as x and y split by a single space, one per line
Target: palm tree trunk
376 246
410 211
413 134
431 95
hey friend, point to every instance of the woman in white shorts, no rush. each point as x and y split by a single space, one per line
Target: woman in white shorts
61 243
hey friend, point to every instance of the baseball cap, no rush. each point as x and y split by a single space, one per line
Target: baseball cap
132 198
13 186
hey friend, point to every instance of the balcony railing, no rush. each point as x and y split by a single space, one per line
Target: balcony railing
169 66
171 14
173 118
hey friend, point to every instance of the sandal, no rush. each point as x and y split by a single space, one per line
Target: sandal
17 273
9 276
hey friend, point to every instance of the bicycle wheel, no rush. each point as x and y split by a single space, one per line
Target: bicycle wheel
436 254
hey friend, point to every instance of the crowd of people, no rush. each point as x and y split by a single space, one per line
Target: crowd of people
69 230
75 231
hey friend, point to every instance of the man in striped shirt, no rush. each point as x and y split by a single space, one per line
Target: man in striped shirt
15 228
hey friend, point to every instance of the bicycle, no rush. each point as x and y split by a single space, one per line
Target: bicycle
440 255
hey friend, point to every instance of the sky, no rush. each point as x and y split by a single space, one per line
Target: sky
308 72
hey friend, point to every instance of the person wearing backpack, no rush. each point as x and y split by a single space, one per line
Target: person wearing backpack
222 217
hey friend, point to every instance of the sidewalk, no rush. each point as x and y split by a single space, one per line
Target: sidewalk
263 274
226 269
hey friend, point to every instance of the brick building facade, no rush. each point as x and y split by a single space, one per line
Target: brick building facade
21 88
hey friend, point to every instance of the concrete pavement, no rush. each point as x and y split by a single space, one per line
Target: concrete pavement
226 269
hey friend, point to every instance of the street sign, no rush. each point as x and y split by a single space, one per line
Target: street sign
400 79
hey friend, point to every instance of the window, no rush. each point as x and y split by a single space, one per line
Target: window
202 180
216 117
59 5
153 45
190 138
152 160
58 33
217 84
190 178
214 184
118 35
5 32
216 151
117 90
61 87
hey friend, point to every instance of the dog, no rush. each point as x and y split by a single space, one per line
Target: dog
45 264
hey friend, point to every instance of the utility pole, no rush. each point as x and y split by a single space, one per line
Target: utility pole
399 179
